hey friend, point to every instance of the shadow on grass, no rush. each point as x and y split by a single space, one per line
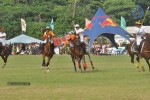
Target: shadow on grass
94 71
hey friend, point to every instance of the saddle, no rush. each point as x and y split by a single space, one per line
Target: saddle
136 48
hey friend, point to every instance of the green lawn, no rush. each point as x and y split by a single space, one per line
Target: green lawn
115 78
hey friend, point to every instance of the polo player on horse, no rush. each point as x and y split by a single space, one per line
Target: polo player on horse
139 33
72 39
48 37
4 50
79 31
2 40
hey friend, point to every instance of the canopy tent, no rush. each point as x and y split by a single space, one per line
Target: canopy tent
23 39
102 24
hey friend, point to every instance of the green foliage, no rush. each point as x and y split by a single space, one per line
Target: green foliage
38 14
118 8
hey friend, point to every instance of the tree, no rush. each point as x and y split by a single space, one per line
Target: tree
144 4
38 14
118 8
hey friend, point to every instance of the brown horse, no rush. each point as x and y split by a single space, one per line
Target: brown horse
47 52
6 53
145 52
77 54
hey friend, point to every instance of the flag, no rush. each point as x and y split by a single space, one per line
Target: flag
23 25
138 12
123 23
52 24
88 23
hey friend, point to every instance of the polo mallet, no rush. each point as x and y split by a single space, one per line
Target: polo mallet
143 19
145 14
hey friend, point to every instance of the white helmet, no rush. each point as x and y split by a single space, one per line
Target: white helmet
47 27
71 32
77 25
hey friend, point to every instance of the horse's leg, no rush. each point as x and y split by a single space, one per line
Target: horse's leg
132 61
43 63
48 61
75 69
79 64
90 61
139 63
4 61
73 60
84 63
147 61
47 64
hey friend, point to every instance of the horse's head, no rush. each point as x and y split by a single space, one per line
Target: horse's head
48 38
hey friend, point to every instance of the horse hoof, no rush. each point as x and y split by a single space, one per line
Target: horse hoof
4 65
139 70
41 67
47 70
143 69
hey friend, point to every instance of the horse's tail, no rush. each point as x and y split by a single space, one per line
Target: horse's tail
127 46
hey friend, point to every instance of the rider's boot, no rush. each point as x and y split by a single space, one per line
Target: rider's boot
52 47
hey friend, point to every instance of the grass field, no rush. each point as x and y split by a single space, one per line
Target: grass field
115 78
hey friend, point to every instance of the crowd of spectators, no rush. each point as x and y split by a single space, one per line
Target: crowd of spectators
97 49
21 48
107 49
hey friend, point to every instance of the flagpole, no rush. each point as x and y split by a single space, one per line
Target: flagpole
74 12
143 20
145 14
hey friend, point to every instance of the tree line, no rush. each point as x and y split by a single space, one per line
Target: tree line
38 14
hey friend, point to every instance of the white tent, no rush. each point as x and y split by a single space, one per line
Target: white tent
23 39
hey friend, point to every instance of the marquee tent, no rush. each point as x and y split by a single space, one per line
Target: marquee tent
23 39
102 24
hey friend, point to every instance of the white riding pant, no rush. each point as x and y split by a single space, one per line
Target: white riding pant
3 42
51 41
71 44
138 40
